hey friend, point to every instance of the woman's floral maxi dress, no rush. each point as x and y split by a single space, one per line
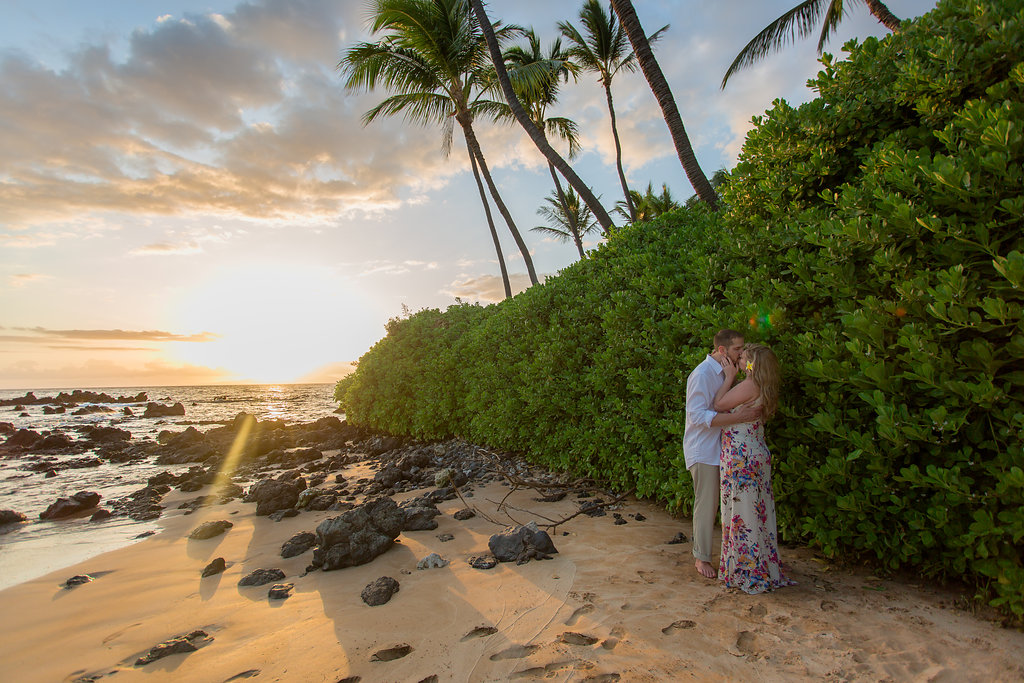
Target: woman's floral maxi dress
750 555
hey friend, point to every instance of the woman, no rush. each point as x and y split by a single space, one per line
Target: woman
750 556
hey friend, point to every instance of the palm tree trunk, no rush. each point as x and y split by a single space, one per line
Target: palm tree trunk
524 120
882 13
659 86
474 147
574 226
490 224
618 153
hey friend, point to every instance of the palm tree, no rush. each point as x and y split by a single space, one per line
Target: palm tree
567 219
649 205
604 50
553 157
433 59
659 86
536 77
799 22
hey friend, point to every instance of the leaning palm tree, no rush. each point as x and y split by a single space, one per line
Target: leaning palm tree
659 86
799 22
536 77
567 219
433 58
603 49
534 133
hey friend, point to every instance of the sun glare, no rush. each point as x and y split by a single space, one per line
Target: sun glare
273 323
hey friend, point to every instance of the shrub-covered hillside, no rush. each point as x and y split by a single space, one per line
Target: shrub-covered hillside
873 237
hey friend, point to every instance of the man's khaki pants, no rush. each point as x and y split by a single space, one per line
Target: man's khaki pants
707 498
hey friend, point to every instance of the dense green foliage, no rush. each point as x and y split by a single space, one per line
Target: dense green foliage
873 237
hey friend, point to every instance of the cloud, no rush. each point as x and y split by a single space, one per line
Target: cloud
395 267
488 288
328 373
167 249
95 373
43 335
207 116
22 279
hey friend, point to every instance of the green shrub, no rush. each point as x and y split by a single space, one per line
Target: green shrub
873 237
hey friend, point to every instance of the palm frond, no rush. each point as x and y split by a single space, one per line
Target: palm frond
797 22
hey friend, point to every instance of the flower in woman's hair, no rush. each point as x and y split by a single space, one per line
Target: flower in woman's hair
750 365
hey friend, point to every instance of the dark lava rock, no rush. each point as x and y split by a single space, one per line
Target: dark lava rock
53 442
64 507
261 577
210 529
680 537
106 434
594 508
359 535
157 410
283 514
11 517
101 515
271 495
298 544
521 544
639 517
77 580
216 566
444 538
280 591
187 643
420 518
23 438
464 514
50 474
619 519
380 591
483 562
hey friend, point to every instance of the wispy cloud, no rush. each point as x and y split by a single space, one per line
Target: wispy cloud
167 249
22 279
396 267
43 335
487 288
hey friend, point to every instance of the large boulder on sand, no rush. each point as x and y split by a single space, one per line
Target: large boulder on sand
521 543
65 507
271 495
359 535
10 517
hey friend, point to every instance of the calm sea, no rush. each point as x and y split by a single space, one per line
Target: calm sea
36 548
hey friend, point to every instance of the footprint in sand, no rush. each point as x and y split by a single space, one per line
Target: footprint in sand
573 638
479 632
577 613
758 610
245 674
828 606
515 652
746 644
119 633
542 671
391 653
680 625
647 576
603 678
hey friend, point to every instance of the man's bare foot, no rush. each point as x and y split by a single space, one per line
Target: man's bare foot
705 569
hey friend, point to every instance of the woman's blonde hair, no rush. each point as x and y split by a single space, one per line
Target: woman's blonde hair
765 374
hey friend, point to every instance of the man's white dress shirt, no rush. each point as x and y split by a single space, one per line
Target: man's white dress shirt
702 443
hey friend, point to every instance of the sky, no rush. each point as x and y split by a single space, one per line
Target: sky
188 194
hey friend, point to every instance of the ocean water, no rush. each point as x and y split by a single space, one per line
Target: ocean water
37 547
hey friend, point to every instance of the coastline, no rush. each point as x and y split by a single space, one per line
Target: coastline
649 615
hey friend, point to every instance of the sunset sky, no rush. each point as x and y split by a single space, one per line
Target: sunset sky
188 195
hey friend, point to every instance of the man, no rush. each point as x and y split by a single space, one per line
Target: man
702 440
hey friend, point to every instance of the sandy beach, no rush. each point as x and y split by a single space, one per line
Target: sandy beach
616 603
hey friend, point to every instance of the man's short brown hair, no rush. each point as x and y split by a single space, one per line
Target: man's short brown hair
727 337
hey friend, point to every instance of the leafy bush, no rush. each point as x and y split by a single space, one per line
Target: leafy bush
873 237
